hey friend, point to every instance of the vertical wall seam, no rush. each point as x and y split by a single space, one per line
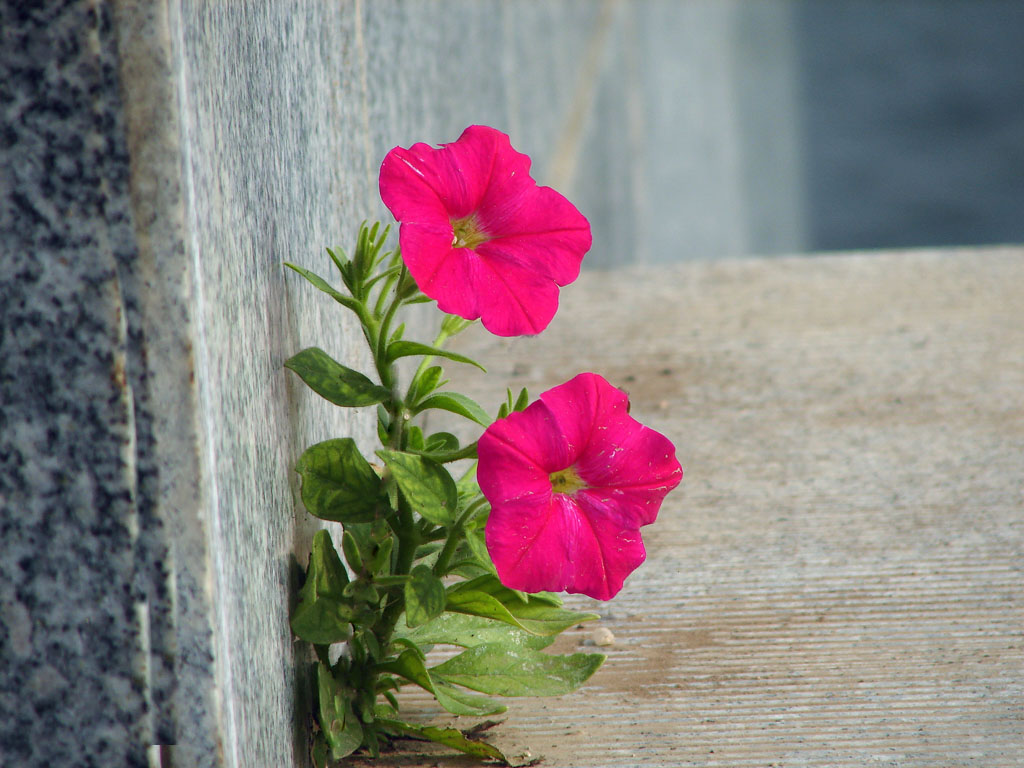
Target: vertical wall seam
567 151
221 644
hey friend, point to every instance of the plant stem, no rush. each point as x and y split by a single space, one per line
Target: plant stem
455 537
380 352
408 541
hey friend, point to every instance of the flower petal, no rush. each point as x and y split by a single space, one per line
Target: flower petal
509 300
540 228
533 238
557 546
514 300
504 173
611 450
529 545
530 438
409 187
606 557
484 160
586 541
631 466
454 175
584 406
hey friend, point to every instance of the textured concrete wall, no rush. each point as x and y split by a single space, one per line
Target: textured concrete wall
159 161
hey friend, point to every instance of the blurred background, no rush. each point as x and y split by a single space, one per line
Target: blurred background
912 118
780 127
695 129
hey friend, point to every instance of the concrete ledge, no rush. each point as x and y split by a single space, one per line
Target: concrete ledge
837 581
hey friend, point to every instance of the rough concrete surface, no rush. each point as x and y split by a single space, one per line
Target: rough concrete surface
837 582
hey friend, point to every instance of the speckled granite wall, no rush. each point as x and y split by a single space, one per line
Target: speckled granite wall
72 644
158 162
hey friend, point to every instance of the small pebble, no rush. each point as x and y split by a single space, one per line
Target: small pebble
602 636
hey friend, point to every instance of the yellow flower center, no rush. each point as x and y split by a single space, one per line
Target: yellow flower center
566 481
467 233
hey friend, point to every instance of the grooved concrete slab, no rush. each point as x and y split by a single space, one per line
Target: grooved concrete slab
838 579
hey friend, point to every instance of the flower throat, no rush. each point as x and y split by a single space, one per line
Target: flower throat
467 233
566 481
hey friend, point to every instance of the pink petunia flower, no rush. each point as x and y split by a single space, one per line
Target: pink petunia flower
570 480
479 235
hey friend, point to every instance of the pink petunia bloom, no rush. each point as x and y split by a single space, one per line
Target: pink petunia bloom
478 234
570 480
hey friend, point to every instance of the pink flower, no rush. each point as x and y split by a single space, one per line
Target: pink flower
479 235
570 480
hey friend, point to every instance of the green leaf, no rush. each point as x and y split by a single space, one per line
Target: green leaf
381 562
372 645
318 752
424 596
461 702
390 581
363 591
446 457
399 349
333 381
322 616
324 563
385 711
522 401
340 261
442 441
368 247
469 631
427 486
477 545
429 548
453 325
550 598
351 549
466 567
449 737
412 647
477 603
503 670
369 537
426 383
420 299
456 403
414 439
323 285
341 727
339 484
372 281
467 485
485 596
410 666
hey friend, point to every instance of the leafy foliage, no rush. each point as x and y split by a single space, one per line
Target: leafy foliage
323 614
338 484
418 572
333 381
